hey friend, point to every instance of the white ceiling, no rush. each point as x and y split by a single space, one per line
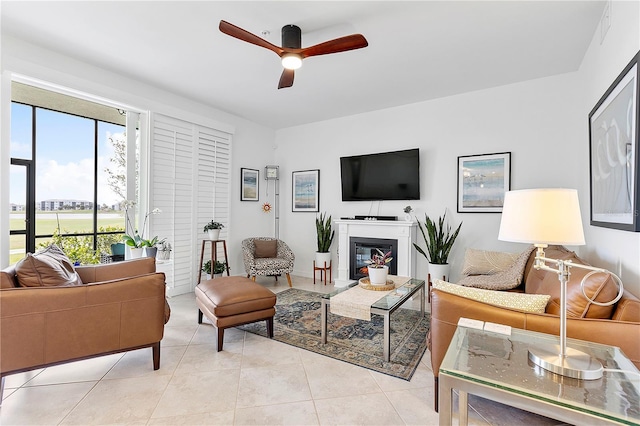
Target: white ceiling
418 50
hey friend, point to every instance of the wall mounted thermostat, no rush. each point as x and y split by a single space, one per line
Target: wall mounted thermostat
271 173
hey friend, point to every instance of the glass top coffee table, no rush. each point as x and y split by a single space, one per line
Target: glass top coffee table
385 306
497 367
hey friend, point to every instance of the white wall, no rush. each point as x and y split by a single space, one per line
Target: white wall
603 62
543 123
527 119
252 143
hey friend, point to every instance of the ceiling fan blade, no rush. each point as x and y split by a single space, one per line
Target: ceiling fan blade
244 35
342 44
286 79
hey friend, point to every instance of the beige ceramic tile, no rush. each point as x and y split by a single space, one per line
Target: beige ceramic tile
204 358
80 371
329 378
295 413
199 393
262 352
178 336
42 405
272 385
123 401
421 378
210 419
370 409
139 363
19 379
414 406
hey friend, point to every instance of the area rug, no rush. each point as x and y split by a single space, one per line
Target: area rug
297 323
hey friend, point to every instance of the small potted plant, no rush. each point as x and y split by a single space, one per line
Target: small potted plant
407 213
377 267
324 239
213 230
164 253
439 241
218 268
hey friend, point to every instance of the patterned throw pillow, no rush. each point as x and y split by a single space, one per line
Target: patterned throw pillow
503 280
48 267
484 262
535 303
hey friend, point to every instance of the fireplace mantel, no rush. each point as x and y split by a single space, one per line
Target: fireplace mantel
403 231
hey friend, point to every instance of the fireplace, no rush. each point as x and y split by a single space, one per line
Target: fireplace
362 249
403 233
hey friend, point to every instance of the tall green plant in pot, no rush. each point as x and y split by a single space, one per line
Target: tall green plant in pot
324 236
439 241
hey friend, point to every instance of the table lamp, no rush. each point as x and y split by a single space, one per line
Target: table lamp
552 216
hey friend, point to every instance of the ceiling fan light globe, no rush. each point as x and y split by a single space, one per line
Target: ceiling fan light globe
291 61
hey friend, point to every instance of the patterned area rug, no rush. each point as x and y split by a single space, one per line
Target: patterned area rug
297 323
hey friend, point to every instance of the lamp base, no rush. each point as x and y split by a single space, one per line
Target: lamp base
576 364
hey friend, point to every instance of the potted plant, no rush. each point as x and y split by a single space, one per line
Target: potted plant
218 268
439 241
150 248
164 253
324 239
407 213
377 267
213 230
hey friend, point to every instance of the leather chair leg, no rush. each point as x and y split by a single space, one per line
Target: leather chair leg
435 393
199 316
220 333
156 355
289 279
270 327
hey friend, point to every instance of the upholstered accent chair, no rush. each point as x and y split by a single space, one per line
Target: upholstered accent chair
267 256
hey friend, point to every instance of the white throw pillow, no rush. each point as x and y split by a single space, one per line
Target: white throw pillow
484 262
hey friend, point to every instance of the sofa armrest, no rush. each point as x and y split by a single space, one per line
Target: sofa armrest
447 308
116 270
46 325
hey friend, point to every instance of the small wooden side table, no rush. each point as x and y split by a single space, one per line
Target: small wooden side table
214 256
323 270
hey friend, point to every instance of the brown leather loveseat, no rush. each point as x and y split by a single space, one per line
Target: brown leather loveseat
618 325
115 308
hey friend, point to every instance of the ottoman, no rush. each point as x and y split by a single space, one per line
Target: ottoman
233 301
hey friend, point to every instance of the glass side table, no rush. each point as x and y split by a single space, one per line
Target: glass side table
497 367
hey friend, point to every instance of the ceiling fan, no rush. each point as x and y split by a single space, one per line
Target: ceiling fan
292 53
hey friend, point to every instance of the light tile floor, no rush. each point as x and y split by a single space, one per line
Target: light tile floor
253 381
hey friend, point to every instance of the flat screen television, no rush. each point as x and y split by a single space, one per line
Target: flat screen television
382 176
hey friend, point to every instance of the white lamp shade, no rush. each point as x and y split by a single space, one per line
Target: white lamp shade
542 216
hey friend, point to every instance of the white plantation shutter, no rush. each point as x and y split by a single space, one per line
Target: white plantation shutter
190 184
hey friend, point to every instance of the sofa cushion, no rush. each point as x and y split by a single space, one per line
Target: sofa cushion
48 267
484 262
600 286
266 248
535 303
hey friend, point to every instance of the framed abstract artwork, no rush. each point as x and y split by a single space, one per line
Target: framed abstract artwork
249 190
483 181
613 153
306 191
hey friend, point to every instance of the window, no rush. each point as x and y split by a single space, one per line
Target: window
68 174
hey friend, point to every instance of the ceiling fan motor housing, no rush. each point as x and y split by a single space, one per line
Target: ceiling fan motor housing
291 37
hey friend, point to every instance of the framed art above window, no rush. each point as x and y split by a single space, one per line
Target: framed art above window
483 181
305 191
613 153
249 190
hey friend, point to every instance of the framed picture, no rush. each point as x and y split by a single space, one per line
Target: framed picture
306 191
613 153
249 190
483 181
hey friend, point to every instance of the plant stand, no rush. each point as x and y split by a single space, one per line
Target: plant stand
214 255
323 270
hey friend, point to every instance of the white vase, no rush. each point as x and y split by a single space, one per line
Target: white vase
439 271
407 217
378 276
136 252
213 234
321 258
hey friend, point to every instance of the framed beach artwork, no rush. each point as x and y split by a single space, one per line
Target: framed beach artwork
249 190
483 181
613 152
306 191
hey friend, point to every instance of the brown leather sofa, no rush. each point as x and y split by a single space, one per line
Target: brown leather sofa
618 325
119 307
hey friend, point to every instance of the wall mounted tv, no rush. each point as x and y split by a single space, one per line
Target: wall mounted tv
383 176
